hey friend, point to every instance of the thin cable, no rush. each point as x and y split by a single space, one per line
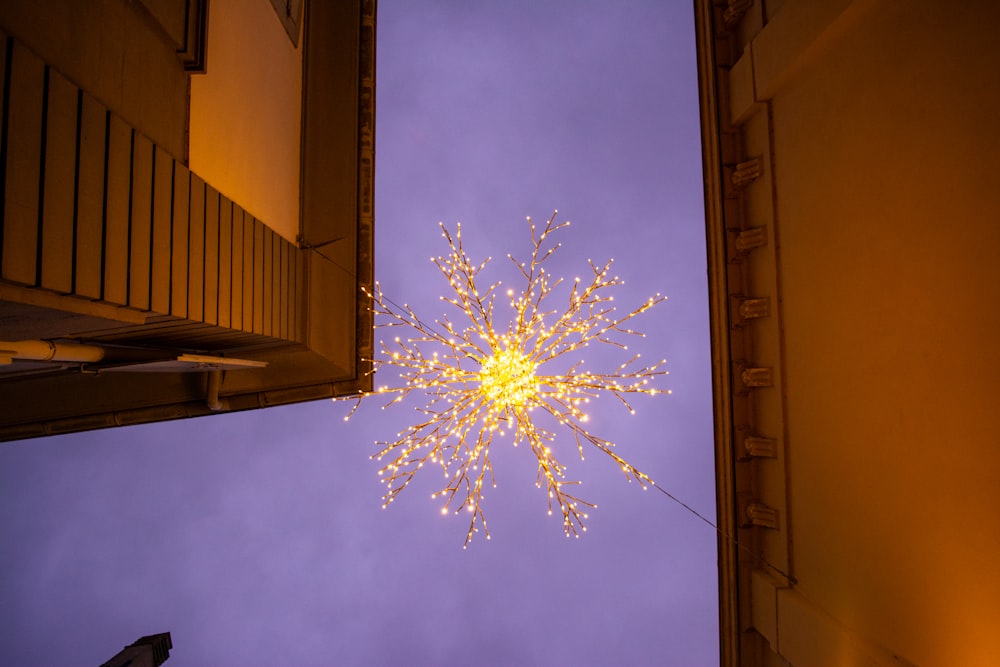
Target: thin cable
316 249
792 580
401 309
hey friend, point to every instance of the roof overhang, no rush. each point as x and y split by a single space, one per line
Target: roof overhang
198 275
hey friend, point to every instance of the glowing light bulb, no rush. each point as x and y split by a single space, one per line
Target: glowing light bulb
507 378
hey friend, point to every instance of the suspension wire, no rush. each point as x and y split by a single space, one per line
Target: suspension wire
316 249
732 539
729 538
401 309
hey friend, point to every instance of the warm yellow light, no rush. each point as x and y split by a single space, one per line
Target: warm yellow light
507 379
481 381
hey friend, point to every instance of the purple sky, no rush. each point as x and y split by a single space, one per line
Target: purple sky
258 538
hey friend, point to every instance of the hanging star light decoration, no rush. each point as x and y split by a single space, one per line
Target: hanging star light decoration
479 381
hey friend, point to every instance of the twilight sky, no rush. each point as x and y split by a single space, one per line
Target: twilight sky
258 538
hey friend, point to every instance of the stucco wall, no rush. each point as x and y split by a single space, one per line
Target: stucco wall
249 149
885 143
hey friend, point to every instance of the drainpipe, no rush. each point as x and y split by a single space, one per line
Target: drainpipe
47 350
142 360
213 401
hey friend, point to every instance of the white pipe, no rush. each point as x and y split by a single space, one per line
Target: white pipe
47 350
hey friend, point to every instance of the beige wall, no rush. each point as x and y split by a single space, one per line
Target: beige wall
881 148
117 52
250 150
887 207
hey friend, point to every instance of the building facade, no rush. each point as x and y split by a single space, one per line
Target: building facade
187 218
853 231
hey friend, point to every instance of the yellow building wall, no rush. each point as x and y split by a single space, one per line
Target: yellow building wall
887 231
117 52
250 150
